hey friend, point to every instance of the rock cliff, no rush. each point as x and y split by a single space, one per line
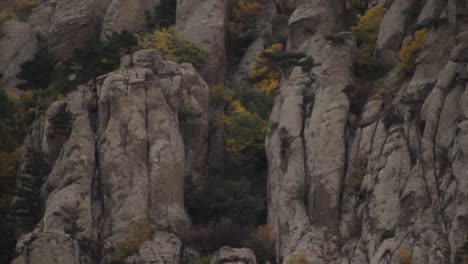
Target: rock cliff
124 161
385 185
359 171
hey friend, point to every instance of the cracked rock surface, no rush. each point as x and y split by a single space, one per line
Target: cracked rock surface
125 160
386 185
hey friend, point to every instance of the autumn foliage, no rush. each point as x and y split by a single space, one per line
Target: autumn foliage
367 29
409 51
174 47
244 17
264 77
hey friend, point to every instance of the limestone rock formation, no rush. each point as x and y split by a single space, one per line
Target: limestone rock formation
127 15
125 160
66 24
385 185
18 44
233 256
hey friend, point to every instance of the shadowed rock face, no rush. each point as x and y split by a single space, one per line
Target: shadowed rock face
389 184
124 161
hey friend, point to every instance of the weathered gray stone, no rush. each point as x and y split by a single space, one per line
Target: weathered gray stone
233 256
18 43
127 15
203 22
124 161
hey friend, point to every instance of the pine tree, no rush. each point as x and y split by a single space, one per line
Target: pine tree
37 73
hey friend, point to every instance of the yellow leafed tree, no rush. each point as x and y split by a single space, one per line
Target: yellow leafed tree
367 29
410 50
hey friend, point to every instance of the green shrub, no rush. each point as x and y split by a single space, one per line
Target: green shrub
284 60
255 101
245 135
174 47
388 233
366 32
96 58
222 197
140 231
37 73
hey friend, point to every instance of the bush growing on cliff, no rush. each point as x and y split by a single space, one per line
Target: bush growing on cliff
266 72
209 237
37 73
96 58
244 18
140 231
222 197
367 29
366 32
410 50
174 47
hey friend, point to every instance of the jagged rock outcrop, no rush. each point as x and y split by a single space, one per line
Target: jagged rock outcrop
386 185
66 24
233 256
18 44
125 160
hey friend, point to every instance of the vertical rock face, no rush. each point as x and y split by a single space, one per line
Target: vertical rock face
124 161
203 22
18 44
64 25
127 15
386 185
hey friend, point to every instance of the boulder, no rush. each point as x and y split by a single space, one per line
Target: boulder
231 255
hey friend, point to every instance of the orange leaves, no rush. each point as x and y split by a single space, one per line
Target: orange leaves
244 17
405 256
367 29
266 78
409 51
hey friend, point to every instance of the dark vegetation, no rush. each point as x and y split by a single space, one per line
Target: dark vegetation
28 207
164 15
